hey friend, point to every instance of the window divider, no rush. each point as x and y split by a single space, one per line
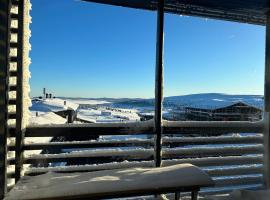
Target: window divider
159 82
266 172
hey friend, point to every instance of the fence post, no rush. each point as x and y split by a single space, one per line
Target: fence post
159 82
4 57
267 106
71 116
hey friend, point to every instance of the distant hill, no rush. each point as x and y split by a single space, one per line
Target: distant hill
207 100
203 100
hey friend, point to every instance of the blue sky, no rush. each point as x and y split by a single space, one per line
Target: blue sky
90 50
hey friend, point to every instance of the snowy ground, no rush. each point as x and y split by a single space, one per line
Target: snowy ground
86 101
43 111
103 114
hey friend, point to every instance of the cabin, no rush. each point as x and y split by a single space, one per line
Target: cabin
203 165
238 111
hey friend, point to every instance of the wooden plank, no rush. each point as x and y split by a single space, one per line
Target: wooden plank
213 127
226 190
85 144
159 81
19 95
4 37
229 171
238 181
142 128
87 168
90 129
216 161
212 151
235 171
133 155
256 139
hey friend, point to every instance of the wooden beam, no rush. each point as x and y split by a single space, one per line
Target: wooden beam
267 106
95 129
140 128
159 82
267 67
212 127
4 54
19 94
58 146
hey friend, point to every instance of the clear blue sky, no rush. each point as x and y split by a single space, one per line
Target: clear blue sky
90 50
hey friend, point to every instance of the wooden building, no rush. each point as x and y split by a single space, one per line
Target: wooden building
238 111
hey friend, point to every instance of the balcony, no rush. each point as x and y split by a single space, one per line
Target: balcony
234 154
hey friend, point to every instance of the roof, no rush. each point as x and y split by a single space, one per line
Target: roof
52 105
219 105
245 11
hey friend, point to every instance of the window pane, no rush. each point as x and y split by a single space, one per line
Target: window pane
214 70
95 59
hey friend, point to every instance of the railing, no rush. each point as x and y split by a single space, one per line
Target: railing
233 160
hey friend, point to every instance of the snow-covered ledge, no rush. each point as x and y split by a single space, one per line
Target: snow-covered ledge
26 63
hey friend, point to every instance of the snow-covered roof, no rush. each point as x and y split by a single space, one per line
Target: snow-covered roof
86 101
216 104
52 105
45 118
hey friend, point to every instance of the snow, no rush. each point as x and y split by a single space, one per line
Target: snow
134 153
57 185
94 167
103 114
86 101
45 118
26 63
52 105
244 195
